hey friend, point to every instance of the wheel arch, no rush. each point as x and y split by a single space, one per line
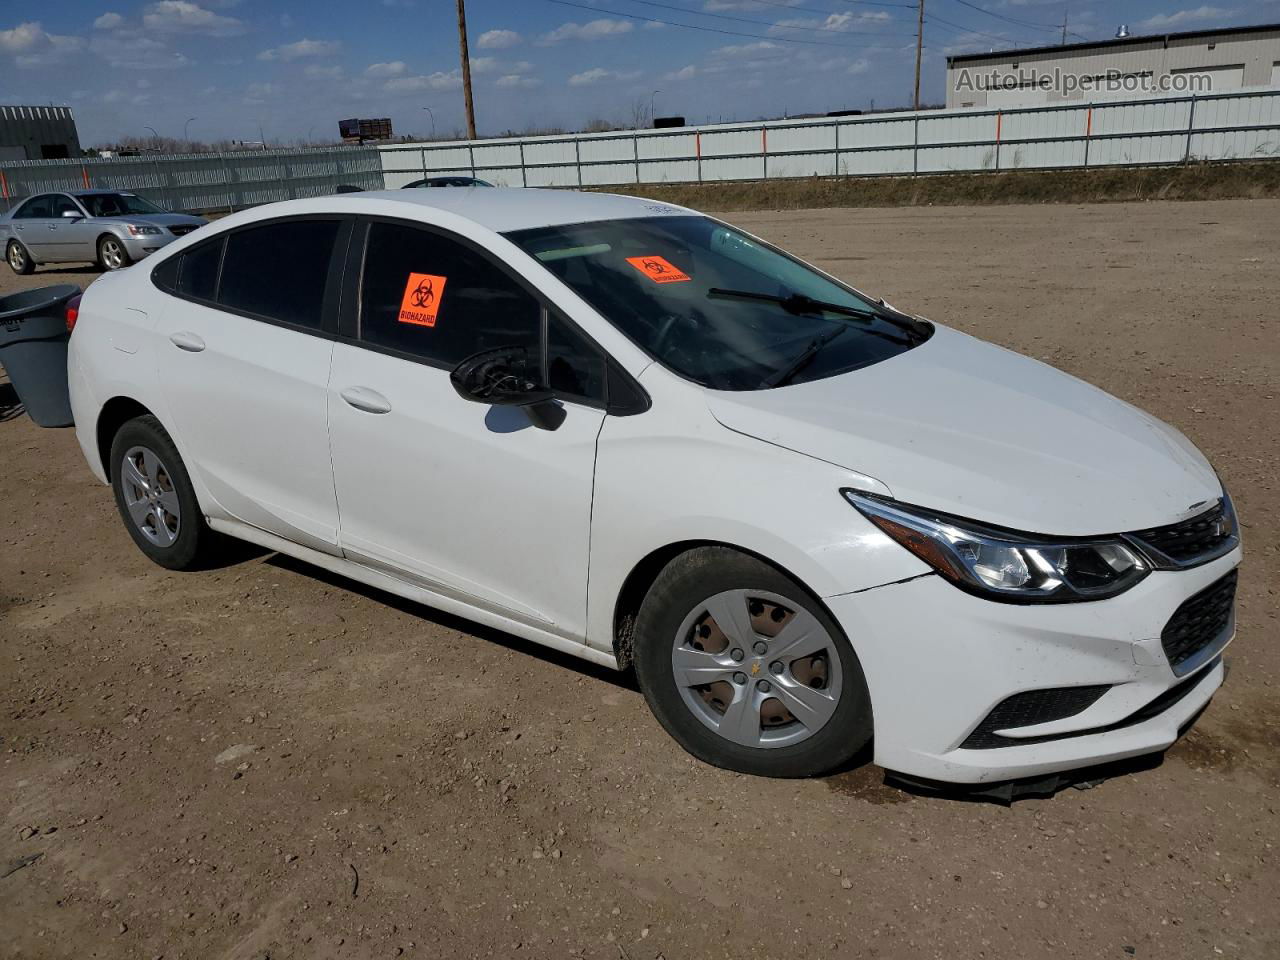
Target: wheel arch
635 587
115 413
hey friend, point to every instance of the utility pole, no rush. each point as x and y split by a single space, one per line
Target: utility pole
919 48
466 70
1065 10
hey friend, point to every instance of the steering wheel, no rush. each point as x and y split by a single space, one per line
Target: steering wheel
665 325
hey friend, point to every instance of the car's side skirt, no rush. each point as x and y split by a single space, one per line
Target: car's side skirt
418 594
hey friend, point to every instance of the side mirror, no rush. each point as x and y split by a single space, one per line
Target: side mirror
72 215
508 377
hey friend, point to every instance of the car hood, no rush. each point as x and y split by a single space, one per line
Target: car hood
972 429
160 219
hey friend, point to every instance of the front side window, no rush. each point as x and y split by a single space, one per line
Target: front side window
278 270
62 205
717 306
118 205
429 296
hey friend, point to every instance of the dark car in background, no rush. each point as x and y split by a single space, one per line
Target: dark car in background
447 182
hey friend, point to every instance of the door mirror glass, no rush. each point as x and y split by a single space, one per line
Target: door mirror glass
505 376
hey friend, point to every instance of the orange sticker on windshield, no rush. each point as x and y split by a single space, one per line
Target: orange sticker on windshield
421 302
658 270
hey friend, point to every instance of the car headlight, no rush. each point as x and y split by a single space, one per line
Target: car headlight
1002 564
143 230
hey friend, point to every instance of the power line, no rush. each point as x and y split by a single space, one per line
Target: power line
770 23
692 26
958 26
1055 27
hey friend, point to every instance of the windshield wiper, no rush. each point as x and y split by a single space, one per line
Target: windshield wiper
800 304
788 373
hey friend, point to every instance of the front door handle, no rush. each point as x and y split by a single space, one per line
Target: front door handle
370 401
186 341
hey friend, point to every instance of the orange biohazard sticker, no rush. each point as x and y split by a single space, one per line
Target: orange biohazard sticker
422 295
658 269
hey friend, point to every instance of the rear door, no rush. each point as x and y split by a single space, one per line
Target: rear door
32 226
465 499
247 341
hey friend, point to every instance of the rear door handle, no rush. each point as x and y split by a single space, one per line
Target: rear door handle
187 341
370 401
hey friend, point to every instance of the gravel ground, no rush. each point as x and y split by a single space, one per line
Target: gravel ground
265 761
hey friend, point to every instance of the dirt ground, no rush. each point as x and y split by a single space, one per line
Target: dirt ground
265 761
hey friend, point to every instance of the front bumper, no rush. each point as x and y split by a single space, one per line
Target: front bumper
139 247
938 660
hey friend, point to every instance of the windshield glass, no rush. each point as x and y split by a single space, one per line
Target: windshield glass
117 205
675 285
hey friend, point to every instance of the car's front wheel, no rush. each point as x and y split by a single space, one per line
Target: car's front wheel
746 670
155 497
20 261
112 255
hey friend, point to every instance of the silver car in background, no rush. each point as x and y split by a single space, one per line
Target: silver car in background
112 228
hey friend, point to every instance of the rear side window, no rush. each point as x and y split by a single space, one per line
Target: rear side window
431 297
279 270
36 207
198 277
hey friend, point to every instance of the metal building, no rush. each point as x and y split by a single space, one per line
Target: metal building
38 133
1128 67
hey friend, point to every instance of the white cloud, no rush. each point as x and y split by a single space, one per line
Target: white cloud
600 75
735 51
183 16
516 81
300 49
317 72
396 68
859 66
594 30
684 73
498 39
436 81
1163 21
32 46
259 92
484 65
108 21
836 22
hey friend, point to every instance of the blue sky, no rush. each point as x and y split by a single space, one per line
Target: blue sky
295 67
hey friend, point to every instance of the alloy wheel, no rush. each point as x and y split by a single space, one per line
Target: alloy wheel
757 668
17 259
149 496
112 254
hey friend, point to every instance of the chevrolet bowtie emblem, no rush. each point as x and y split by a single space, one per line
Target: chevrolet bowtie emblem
755 669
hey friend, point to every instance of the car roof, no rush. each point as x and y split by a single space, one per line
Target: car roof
95 193
502 209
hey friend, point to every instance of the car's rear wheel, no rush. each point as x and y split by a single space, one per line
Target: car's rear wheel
112 255
19 260
746 670
155 497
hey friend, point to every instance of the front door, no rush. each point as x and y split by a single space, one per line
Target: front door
253 327
465 499
72 236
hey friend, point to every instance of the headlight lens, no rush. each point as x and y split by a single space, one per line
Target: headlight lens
1004 565
143 230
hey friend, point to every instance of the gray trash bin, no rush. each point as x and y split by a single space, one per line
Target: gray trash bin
33 351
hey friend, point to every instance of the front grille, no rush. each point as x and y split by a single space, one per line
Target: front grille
181 230
1201 538
1029 708
1199 621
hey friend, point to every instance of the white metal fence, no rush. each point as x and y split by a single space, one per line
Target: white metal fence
202 181
1233 126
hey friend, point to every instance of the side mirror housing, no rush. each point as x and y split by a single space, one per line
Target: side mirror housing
508 377
72 215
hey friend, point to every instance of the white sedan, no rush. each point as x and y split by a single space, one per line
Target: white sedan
640 435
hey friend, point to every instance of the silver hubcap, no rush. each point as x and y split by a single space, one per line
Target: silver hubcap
112 255
16 259
757 668
149 496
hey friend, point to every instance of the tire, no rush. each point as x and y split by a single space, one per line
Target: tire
676 621
111 254
19 259
166 523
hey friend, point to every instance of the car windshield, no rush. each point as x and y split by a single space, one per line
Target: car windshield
118 205
717 306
